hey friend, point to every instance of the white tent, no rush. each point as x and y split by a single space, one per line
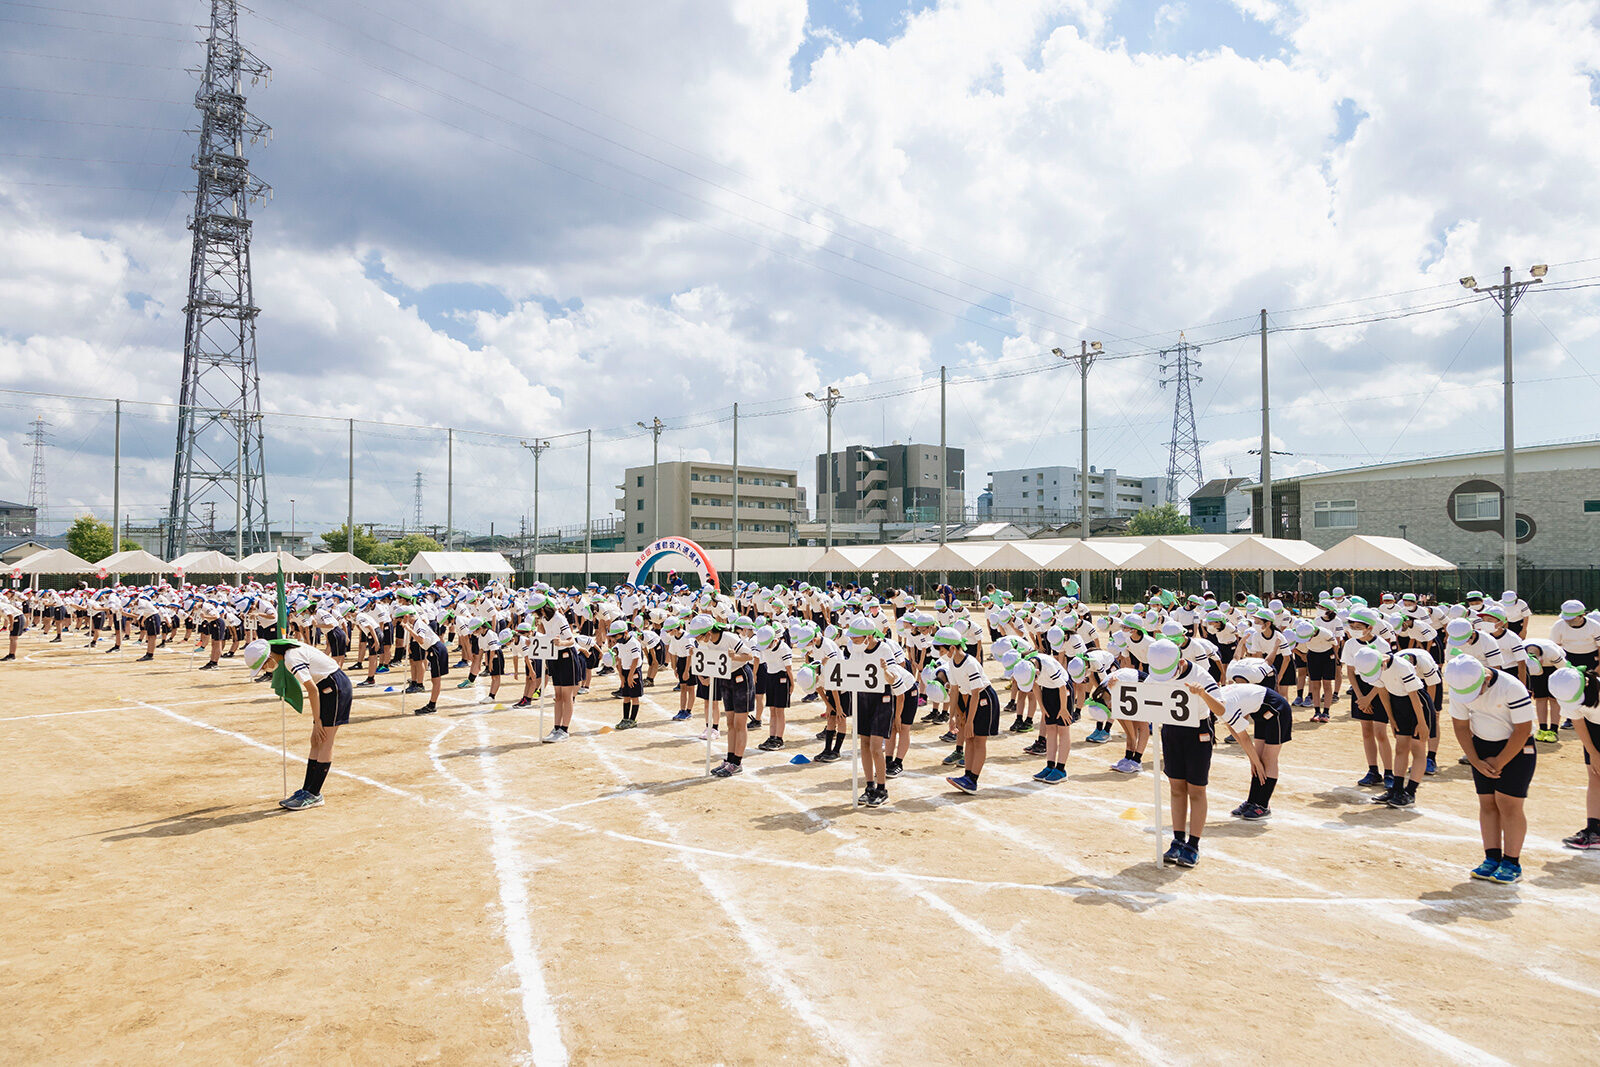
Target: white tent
1097 554
844 558
445 563
1024 556
1266 554
205 563
1361 552
335 563
898 557
55 561
959 557
135 561
268 563
1174 554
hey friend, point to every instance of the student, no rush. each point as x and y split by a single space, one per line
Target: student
1493 718
903 685
328 694
628 653
435 655
874 711
1186 759
1567 687
1579 637
1317 647
977 707
777 667
1544 657
494 657
736 692
1364 708
13 617
532 669
679 648
1046 676
1410 714
1271 726
563 669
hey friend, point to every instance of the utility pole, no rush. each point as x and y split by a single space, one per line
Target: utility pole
449 489
1269 513
220 394
588 501
733 553
944 467
116 481
1508 294
1087 353
350 495
829 401
537 448
655 427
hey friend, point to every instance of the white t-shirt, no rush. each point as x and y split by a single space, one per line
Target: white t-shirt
1580 639
308 664
1496 711
967 676
1239 701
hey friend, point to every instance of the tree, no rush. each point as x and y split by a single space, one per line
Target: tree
130 545
336 538
403 550
1165 521
90 539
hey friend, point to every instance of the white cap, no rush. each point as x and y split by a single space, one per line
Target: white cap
1566 685
1571 609
1162 657
1457 628
1464 675
1368 661
256 653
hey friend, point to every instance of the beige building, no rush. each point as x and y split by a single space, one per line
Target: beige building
697 503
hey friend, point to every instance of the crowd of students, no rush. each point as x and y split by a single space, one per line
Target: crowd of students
755 656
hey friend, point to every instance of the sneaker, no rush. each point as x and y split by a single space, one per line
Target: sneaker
1433 765
523 703
1388 780
1126 766
879 797
1255 813
1401 799
1042 773
1371 778
867 797
1238 812
208 667
1170 857
555 736
1056 775
147 657
365 684
1027 727
726 770
812 699
383 668
1484 871
1035 749
1011 706
771 744
414 687
964 783
710 733
1383 797
1189 856
468 684
948 737
893 769
582 689
1298 702
1583 840
933 714
827 757
627 724
957 758
753 723
1508 872
427 709
300 800
1099 735
1566 724
460 664
681 716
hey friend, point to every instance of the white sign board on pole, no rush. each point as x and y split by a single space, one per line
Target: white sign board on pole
711 663
857 676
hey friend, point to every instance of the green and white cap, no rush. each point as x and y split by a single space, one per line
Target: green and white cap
1464 675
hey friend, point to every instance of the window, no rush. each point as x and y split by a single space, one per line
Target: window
639 502
1024 494
1333 514
638 527
1591 507
639 482
694 477
694 524
1471 506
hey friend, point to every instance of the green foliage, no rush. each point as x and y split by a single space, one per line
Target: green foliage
405 549
1165 521
129 545
90 539
366 545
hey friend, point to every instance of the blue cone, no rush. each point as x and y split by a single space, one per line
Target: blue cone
389 690
800 759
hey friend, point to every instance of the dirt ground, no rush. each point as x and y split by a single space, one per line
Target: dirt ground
468 895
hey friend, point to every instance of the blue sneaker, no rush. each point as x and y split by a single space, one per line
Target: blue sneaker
1508 872
1485 871
964 783
1043 775
1099 735
1056 775
383 668
1189 857
1174 851
1370 778
1388 780
1433 765
681 716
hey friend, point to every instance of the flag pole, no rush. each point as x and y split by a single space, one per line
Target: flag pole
283 712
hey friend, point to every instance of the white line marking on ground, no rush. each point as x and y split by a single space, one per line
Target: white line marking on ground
1433 1038
538 1010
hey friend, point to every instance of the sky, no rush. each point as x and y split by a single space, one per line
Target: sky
528 220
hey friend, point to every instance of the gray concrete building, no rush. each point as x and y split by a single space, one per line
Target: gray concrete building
1050 494
1221 506
1452 505
697 503
892 483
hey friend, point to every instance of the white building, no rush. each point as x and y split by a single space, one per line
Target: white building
1050 494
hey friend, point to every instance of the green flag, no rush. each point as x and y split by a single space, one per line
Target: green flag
285 684
283 606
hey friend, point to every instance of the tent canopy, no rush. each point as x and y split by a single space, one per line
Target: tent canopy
443 563
898 558
205 563
268 562
55 561
1266 553
844 558
1174 554
335 563
1361 552
1096 554
135 561
959 557
1024 556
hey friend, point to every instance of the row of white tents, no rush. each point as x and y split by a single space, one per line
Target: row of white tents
1230 552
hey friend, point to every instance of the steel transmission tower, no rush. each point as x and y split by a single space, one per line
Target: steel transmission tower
219 453
1178 367
416 504
36 489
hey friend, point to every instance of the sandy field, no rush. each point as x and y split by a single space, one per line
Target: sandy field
468 895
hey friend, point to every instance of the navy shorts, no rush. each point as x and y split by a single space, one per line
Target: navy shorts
1515 777
1186 753
983 713
438 660
333 699
1273 723
875 714
1050 700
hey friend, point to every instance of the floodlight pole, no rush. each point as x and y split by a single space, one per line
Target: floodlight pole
537 448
